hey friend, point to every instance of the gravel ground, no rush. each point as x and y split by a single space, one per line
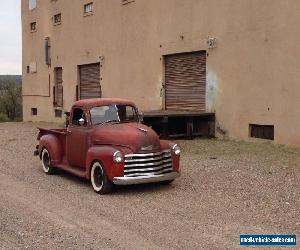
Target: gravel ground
226 189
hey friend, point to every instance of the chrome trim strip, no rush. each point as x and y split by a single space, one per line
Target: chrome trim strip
145 179
156 163
149 154
150 173
147 159
147 169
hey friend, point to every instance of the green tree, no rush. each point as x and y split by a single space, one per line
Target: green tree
11 99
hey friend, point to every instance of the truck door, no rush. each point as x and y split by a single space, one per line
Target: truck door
76 144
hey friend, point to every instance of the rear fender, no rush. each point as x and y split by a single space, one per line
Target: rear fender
53 145
104 154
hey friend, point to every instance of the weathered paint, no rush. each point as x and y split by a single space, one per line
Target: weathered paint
100 142
212 90
256 61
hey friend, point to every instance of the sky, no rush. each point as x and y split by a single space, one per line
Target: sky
10 38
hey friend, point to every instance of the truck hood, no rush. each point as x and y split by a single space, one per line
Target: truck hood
136 136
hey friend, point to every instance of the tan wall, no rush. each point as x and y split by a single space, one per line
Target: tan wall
252 76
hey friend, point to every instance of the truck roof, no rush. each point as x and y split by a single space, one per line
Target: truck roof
102 101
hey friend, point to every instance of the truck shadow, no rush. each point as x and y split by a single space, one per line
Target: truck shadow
117 190
142 188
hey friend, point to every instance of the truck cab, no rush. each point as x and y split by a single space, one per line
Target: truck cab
105 142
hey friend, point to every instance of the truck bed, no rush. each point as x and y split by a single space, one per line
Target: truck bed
60 131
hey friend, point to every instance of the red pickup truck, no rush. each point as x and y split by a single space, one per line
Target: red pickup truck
104 141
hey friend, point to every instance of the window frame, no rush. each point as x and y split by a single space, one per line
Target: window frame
34 111
135 117
33 26
32 4
91 5
55 18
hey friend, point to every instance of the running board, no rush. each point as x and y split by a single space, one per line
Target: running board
73 170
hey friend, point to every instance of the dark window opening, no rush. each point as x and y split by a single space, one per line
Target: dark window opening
27 69
125 2
58 87
78 114
262 131
47 51
58 113
33 26
33 111
88 8
57 18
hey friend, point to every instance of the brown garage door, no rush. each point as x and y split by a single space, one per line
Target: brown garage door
58 90
90 81
185 79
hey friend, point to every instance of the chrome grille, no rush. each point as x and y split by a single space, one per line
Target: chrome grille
148 164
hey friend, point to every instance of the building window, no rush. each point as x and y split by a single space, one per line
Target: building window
32 67
34 111
58 113
88 8
27 69
33 26
57 19
58 87
262 131
31 4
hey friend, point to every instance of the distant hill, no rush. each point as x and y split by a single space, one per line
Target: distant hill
16 78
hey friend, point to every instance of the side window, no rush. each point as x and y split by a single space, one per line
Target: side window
126 113
78 114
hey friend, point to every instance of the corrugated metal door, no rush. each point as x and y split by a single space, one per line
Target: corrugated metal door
90 81
185 81
58 87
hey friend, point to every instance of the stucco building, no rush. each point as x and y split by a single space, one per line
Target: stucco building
236 58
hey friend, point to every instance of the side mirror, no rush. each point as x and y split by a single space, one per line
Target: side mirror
81 121
141 117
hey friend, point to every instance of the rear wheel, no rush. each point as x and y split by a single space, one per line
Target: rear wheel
100 182
46 162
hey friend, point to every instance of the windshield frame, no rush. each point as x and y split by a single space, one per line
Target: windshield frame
118 120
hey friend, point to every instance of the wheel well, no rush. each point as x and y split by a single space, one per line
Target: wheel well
41 152
90 170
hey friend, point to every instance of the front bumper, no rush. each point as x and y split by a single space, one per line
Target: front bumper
145 179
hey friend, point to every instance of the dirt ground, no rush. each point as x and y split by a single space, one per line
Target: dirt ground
226 189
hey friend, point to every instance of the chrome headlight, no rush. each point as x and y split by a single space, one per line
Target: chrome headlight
176 149
118 157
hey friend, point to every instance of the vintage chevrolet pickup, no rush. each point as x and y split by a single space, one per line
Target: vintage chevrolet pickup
105 142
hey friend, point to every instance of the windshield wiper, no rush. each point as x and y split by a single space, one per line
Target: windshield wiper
109 121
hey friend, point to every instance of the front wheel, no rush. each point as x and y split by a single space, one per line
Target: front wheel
46 162
100 182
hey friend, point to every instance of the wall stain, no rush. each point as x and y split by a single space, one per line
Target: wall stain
212 90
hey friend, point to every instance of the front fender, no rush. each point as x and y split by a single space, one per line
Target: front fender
53 145
165 145
104 154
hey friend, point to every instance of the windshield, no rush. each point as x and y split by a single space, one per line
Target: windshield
113 113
